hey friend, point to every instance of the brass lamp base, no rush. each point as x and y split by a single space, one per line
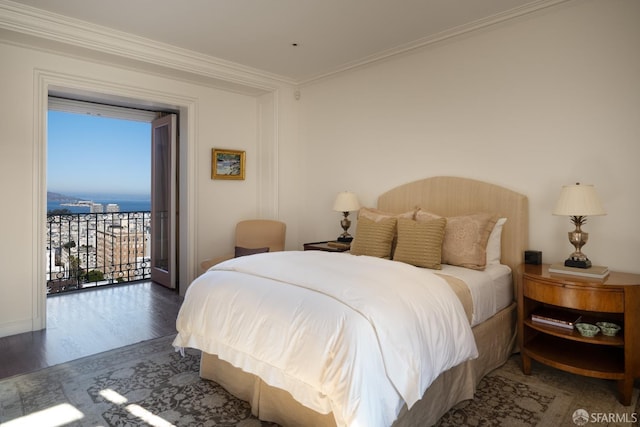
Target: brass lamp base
345 224
578 239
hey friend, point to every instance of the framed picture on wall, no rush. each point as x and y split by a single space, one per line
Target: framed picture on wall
227 164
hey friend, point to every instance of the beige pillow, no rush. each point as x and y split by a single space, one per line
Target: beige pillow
420 243
425 215
465 240
374 238
378 215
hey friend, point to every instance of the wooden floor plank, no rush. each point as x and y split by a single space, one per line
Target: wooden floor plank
91 321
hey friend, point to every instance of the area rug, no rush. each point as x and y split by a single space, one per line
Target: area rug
145 384
149 384
548 397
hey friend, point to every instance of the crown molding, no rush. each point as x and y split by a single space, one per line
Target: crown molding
44 25
49 26
425 42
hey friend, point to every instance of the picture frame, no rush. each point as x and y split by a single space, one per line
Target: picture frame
227 164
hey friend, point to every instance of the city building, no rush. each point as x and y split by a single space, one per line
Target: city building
119 251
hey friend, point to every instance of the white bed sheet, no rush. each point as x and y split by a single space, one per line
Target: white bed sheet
491 289
316 307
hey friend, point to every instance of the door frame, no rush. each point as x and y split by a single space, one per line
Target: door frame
50 83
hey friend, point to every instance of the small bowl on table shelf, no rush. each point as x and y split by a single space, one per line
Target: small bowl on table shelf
587 329
609 329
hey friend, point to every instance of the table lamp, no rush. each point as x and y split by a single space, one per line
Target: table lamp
346 202
578 201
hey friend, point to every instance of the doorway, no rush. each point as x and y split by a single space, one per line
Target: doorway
86 88
126 159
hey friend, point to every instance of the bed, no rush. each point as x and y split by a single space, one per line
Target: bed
270 387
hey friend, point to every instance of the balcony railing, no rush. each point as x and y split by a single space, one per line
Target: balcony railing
95 249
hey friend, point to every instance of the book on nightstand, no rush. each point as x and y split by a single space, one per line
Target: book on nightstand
339 245
595 271
554 317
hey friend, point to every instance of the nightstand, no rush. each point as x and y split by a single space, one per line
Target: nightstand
327 246
615 299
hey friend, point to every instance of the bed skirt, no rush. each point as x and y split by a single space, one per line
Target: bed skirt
495 339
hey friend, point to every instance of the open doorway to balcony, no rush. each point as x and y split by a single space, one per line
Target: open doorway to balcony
101 215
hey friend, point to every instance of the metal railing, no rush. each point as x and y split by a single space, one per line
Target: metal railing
95 249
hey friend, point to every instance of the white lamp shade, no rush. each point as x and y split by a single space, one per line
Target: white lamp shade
578 200
346 201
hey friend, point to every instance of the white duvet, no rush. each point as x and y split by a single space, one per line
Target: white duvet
353 335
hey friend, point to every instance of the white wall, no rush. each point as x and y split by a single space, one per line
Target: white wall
220 119
532 104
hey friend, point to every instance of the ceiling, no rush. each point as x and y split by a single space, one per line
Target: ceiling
299 40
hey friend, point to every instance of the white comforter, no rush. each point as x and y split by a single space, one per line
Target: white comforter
353 335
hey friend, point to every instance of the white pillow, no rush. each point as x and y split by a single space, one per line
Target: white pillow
494 242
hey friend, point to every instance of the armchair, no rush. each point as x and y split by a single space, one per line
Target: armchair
253 234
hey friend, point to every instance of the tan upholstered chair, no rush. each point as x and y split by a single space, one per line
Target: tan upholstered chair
253 234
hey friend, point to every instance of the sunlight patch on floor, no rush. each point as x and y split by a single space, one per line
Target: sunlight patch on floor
55 416
113 396
135 410
147 416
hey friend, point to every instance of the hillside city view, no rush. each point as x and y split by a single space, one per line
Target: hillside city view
98 244
98 218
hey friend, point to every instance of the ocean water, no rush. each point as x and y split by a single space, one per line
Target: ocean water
125 205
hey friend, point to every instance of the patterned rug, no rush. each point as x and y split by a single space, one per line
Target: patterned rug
148 384
548 397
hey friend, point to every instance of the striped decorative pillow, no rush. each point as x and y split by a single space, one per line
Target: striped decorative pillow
420 242
374 238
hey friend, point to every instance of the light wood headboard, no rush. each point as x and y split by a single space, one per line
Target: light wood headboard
451 196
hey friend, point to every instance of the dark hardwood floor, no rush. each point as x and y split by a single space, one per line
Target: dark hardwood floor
88 322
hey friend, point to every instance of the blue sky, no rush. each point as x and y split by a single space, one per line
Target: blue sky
97 155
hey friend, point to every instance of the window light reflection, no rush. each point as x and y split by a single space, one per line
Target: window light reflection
55 416
64 414
113 396
147 416
135 410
